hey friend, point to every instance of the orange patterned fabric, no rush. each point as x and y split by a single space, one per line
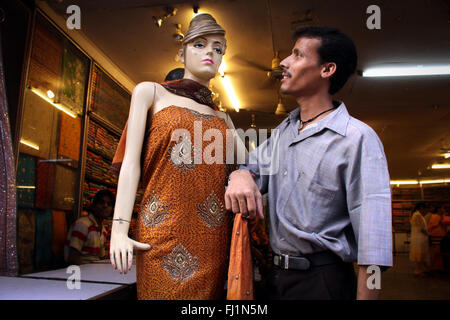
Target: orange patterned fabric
182 214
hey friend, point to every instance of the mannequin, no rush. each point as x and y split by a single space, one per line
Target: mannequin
183 229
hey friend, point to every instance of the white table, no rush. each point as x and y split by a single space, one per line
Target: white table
100 272
17 288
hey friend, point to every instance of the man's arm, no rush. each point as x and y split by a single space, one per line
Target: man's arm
363 291
245 186
78 236
369 205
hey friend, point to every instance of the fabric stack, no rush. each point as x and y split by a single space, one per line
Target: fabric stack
105 143
98 168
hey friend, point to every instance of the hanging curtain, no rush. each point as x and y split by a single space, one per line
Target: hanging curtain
8 245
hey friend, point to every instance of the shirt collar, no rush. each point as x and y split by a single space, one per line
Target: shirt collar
92 218
336 121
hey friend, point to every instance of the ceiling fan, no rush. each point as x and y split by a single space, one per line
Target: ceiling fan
274 72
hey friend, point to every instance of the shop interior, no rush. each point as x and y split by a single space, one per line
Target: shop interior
69 88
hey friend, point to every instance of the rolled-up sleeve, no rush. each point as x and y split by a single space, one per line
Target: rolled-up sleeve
369 203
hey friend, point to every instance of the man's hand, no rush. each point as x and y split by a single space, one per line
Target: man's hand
243 196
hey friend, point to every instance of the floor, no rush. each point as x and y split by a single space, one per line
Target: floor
399 283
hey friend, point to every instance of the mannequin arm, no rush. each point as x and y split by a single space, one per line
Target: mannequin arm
121 249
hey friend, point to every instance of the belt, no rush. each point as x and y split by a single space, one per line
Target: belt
305 262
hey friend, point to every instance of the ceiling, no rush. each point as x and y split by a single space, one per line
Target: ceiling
410 115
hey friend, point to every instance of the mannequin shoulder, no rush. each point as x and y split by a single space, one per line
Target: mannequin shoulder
225 117
145 90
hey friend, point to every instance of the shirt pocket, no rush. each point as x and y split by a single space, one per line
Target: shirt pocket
318 195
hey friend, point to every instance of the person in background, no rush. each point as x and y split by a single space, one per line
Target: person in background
431 209
445 243
175 74
420 248
437 231
86 237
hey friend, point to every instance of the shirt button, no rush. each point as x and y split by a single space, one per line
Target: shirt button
285 173
282 239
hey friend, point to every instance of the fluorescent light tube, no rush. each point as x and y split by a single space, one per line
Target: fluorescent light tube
230 92
407 71
401 182
30 144
57 106
440 166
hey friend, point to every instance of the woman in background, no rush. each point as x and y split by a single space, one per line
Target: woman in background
437 231
420 248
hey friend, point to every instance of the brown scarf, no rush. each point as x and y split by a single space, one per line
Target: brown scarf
191 89
184 87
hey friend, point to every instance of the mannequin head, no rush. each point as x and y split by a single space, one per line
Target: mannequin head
203 48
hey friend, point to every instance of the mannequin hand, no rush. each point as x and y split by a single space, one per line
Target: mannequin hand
121 251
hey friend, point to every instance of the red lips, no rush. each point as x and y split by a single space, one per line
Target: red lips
208 60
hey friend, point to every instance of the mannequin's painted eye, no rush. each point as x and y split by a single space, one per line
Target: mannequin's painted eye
199 45
218 50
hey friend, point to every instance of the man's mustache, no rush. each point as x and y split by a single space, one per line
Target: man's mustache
287 74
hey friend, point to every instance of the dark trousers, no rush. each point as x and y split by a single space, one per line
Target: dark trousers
335 281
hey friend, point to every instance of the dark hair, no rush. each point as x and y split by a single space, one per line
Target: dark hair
175 74
103 193
419 206
335 47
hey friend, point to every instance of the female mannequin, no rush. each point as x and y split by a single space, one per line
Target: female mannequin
183 228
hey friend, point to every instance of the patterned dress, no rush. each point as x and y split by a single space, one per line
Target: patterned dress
183 215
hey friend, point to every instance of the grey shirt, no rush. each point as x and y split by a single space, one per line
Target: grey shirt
328 188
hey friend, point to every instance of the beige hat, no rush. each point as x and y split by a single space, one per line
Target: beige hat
202 24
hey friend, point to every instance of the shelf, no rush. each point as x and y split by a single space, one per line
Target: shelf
105 124
101 182
99 153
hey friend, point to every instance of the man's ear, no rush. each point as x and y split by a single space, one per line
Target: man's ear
181 55
328 69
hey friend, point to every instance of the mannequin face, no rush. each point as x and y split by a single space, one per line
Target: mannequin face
202 57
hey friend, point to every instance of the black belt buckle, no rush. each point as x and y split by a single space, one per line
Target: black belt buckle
286 262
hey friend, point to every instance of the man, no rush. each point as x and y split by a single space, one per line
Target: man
328 184
85 239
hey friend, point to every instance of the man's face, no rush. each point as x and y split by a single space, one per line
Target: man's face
302 71
103 208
